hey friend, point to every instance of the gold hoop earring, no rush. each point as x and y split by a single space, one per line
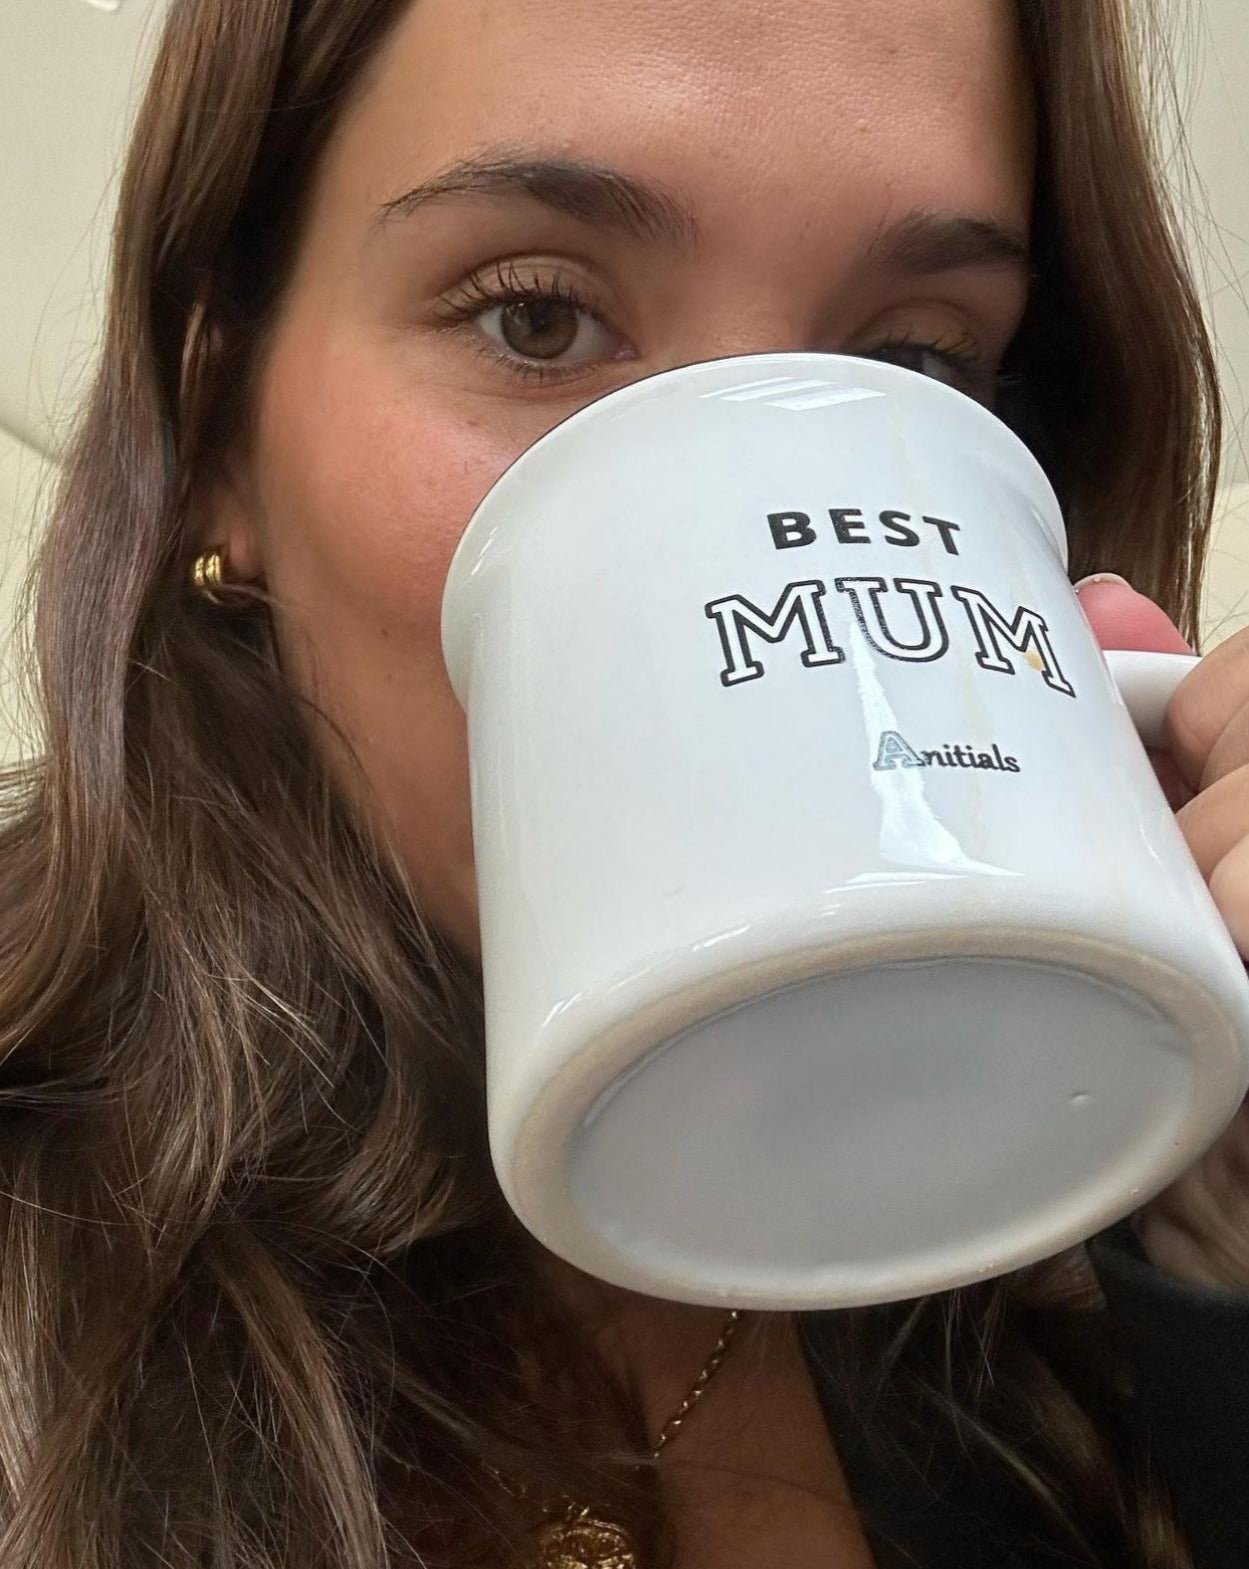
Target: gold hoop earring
208 574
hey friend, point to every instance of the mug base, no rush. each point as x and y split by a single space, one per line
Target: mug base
874 1134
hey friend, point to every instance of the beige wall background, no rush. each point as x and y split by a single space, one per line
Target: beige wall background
1227 580
70 73
26 476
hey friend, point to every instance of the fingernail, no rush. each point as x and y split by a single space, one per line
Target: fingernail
1102 577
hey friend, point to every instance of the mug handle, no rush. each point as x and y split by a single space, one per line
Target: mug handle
1147 682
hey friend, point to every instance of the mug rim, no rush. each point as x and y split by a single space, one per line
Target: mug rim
643 385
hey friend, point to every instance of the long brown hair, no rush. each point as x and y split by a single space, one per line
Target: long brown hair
260 1301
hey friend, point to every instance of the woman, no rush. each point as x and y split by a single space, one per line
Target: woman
262 1302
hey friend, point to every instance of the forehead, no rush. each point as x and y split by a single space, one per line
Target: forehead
783 102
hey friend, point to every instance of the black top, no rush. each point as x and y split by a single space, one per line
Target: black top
1188 1347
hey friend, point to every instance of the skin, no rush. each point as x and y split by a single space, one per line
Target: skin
380 429
794 133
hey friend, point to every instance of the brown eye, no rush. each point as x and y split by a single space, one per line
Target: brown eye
532 327
539 328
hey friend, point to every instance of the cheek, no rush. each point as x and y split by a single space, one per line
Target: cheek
364 494
373 504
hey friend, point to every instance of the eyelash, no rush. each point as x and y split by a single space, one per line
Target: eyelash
510 289
478 295
959 353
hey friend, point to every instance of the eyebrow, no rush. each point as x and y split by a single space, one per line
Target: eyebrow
922 242
931 242
597 195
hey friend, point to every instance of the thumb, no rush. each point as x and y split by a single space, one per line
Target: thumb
1122 618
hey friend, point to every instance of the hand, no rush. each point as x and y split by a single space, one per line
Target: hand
1198 1228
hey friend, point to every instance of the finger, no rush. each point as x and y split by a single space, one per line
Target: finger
1206 722
1174 786
1230 751
1122 618
1229 884
1217 820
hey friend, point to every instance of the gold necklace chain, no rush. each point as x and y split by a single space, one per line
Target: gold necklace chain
673 1425
579 1538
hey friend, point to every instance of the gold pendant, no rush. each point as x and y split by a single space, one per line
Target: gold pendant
584 1542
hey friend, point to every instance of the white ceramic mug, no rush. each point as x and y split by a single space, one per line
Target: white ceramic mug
838 942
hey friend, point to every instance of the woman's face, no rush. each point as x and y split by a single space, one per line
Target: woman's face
662 182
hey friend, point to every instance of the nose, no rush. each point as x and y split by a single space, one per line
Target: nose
774 327
727 346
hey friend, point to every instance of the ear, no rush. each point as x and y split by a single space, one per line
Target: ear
228 518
